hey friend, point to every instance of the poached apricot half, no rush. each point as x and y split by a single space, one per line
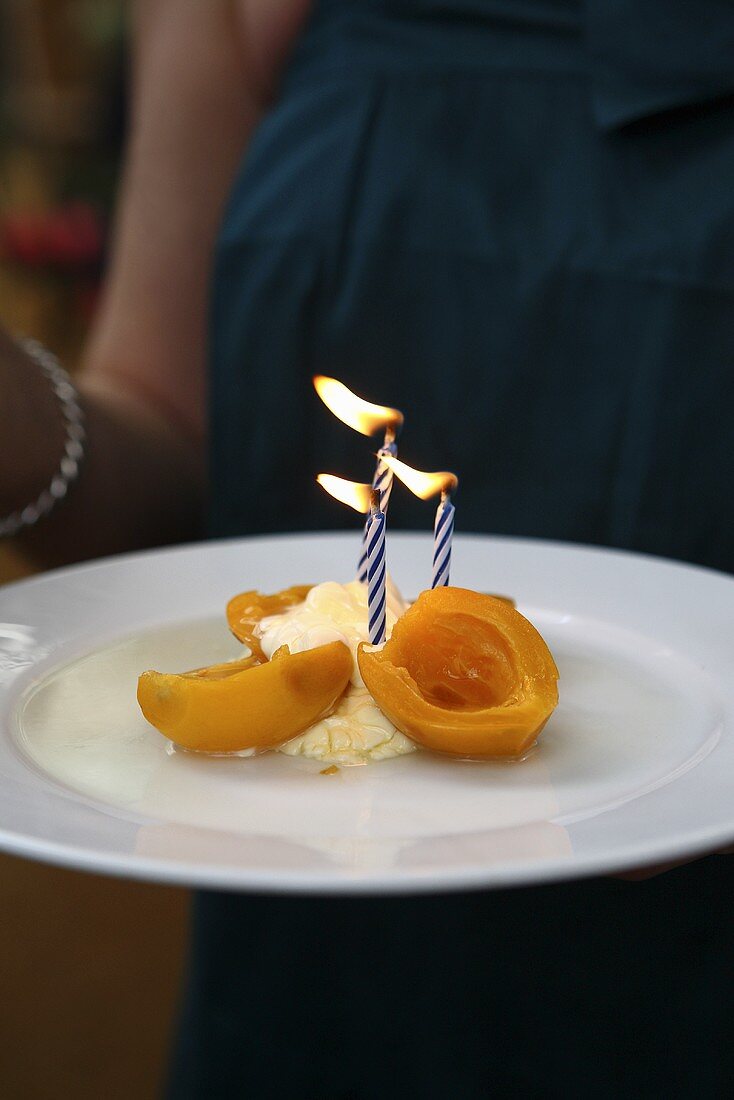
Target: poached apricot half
464 674
249 704
245 611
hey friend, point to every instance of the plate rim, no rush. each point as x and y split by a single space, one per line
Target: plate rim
469 877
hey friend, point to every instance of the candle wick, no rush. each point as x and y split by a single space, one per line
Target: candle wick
445 496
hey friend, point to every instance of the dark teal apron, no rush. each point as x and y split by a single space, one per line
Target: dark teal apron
514 220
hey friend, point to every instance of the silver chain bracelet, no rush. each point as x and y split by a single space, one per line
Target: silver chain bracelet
68 471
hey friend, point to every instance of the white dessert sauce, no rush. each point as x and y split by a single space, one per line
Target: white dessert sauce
357 731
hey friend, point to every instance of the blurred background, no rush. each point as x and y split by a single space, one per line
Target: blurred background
90 967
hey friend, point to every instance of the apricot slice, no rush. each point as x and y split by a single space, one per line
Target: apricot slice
245 611
464 674
249 704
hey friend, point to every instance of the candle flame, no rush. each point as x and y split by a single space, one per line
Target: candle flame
423 484
352 493
361 415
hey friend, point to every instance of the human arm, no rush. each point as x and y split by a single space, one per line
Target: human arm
202 76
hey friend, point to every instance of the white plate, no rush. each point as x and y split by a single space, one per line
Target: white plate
635 767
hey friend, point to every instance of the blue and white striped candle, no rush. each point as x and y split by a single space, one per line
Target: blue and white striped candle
367 418
376 573
443 534
365 498
382 483
426 485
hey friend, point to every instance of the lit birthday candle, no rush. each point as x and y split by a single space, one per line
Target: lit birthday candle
443 535
367 419
426 485
382 484
365 498
376 574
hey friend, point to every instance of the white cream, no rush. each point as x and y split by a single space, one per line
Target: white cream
357 730
331 612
